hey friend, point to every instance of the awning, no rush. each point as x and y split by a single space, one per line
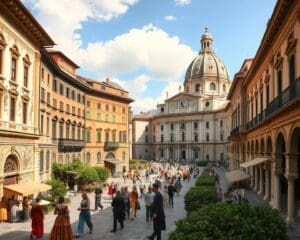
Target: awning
27 188
236 176
254 162
113 161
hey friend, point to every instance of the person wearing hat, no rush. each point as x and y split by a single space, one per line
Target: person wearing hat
158 214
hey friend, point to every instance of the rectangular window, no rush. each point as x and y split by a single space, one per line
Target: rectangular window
107 107
43 73
98 136
68 108
42 94
73 132
67 92
106 136
146 139
13 69
114 108
162 127
268 94
54 102
42 124
48 126
73 110
12 115
114 118
172 137
88 115
61 106
88 104
207 124
182 126
78 112
172 126
54 85
26 76
61 89
61 130
24 112
48 98
124 110
54 129
99 116
195 125
106 118
221 123
73 95
41 161
99 106
48 79
113 136
162 138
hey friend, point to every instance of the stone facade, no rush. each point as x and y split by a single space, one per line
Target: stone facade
190 126
267 124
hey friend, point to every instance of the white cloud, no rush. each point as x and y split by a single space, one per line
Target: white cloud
149 52
170 18
182 2
163 57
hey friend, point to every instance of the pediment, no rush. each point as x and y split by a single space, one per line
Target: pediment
181 96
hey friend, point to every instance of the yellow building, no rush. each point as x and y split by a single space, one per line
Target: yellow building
107 125
265 139
21 38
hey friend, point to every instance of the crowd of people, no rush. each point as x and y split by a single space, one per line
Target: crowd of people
155 185
12 210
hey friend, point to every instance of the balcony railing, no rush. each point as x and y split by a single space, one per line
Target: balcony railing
288 95
111 146
70 145
234 131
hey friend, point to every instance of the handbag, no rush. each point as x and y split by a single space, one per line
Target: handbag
138 205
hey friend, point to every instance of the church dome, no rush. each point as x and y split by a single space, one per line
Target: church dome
207 63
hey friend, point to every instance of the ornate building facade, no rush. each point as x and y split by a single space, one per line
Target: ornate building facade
21 38
45 116
265 136
191 125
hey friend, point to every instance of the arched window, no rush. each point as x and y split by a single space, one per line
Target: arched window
279 82
88 158
98 157
197 87
292 69
212 86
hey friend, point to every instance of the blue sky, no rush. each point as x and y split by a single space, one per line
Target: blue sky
146 45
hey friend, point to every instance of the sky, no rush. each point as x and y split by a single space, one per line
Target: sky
147 45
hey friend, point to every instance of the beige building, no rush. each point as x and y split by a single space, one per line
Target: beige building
21 38
190 126
265 142
107 125
62 112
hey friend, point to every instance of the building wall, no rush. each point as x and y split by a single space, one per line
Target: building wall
107 122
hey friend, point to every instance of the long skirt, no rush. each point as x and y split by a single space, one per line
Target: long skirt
61 229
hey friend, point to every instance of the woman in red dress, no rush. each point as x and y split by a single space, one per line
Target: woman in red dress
37 224
110 189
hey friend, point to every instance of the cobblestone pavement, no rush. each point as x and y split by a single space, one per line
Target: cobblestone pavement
137 229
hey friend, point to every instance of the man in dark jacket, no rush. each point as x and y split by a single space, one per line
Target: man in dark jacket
98 193
118 205
158 214
171 190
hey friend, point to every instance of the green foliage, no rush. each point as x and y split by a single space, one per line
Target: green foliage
231 221
202 163
198 196
103 173
137 163
205 181
58 189
87 174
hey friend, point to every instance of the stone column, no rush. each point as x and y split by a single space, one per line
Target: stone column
267 183
261 180
276 170
291 174
291 199
256 186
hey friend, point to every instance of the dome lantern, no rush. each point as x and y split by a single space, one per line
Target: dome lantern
206 41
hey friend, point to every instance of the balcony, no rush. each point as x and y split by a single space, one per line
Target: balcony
287 96
111 146
234 131
70 145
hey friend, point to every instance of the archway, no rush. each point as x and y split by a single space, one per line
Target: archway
110 162
280 161
295 156
11 170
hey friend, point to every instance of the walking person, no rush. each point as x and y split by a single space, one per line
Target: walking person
13 206
37 220
149 197
171 190
159 221
125 195
84 216
98 193
25 209
118 205
178 186
133 201
61 229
